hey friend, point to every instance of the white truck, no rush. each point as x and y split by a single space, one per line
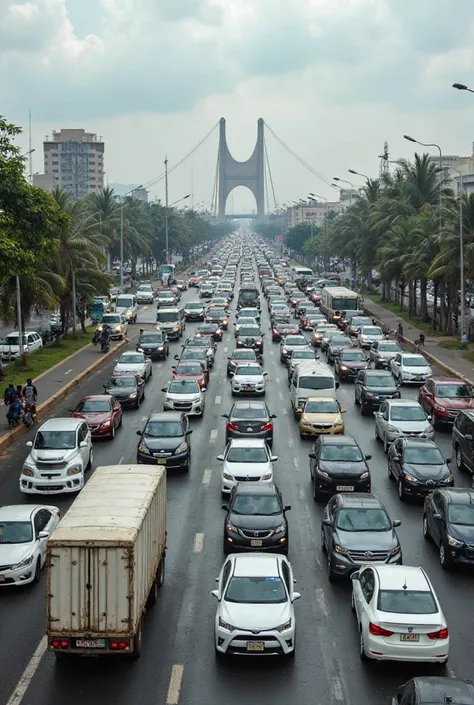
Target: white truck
106 562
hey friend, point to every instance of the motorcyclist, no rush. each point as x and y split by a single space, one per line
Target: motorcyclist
9 394
399 332
30 395
14 409
105 336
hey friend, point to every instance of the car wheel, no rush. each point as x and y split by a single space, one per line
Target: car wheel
331 574
323 542
444 557
385 446
37 571
376 431
389 470
225 548
112 435
91 460
362 409
426 530
143 396
353 607
356 401
151 373
401 491
362 654
121 421
459 461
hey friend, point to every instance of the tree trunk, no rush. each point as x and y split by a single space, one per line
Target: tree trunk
410 299
442 312
402 295
451 299
425 317
435 306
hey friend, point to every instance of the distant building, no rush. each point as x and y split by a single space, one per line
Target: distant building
44 181
141 194
75 160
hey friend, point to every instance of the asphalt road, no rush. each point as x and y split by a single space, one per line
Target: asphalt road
178 665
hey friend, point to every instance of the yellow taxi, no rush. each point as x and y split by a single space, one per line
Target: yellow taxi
320 331
321 415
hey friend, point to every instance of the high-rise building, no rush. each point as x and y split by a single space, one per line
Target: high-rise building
75 159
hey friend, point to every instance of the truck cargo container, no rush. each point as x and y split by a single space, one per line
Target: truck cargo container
106 562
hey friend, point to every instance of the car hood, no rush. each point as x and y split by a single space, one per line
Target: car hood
249 379
193 377
374 338
410 426
163 443
93 418
10 554
294 347
343 468
456 403
194 310
354 364
386 355
124 367
58 456
366 540
150 346
382 390
248 469
421 370
121 392
321 418
431 472
183 397
245 616
462 533
254 523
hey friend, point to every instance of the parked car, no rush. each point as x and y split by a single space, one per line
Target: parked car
10 346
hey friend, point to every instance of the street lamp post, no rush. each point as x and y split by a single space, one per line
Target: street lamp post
461 248
336 178
358 173
121 232
168 206
462 87
431 144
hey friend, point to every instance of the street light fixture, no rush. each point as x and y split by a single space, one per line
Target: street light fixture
431 144
358 173
121 231
344 181
462 87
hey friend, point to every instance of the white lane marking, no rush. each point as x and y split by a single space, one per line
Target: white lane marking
144 308
218 400
295 462
66 373
226 349
206 478
284 412
272 352
280 394
174 688
336 689
121 460
198 543
22 686
321 600
213 435
452 673
291 443
277 380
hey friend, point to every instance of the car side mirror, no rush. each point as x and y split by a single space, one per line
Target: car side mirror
337 385
437 516
203 389
273 416
215 593
220 457
397 458
225 507
429 417
327 522
163 389
83 444
295 596
343 411
176 357
287 508
139 433
274 458
312 455
225 416
368 457
468 437
355 575
397 522
189 431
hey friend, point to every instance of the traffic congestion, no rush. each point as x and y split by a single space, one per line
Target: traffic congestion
319 509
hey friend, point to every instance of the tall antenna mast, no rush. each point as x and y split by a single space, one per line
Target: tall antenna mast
384 167
30 152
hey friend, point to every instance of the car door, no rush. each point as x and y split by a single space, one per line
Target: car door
438 526
358 384
224 577
314 462
396 457
395 365
44 521
426 396
381 418
365 595
116 410
84 435
330 513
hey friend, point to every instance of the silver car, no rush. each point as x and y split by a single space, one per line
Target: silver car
368 335
136 363
248 378
401 417
382 352
246 459
184 395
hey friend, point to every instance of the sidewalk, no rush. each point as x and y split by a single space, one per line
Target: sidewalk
451 360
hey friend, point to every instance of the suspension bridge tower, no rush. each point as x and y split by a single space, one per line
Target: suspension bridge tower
231 173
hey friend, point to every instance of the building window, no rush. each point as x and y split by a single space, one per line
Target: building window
55 163
55 171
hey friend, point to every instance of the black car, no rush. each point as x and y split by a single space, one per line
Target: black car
198 354
337 464
249 419
212 330
355 530
448 520
250 337
154 343
435 690
128 389
248 296
256 519
337 343
418 467
194 311
373 387
165 441
218 316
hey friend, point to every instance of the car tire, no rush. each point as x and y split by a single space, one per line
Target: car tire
91 460
332 576
443 557
376 432
37 571
389 470
362 654
121 421
426 530
151 373
353 607
401 491
112 435
323 542
356 401
385 446
459 461
362 409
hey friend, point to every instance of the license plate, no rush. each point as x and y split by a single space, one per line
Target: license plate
419 377
2 578
256 543
248 388
255 646
161 461
409 637
345 488
90 643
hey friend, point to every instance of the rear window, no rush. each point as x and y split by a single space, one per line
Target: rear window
407 602
316 382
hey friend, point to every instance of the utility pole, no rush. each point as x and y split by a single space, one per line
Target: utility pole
166 211
384 167
30 151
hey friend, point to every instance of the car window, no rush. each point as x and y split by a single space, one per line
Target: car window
163 429
423 455
380 381
286 576
249 412
341 453
407 602
257 505
93 406
245 454
363 519
55 440
367 584
15 532
407 413
258 590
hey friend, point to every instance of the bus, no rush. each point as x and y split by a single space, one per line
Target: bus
335 300
165 272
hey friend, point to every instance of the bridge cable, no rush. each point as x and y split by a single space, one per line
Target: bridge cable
298 158
270 176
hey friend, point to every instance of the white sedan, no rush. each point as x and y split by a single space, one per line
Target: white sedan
24 532
410 368
398 615
244 321
136 363
255 613
246 459
248 378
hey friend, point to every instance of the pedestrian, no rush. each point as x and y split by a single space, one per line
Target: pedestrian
464 341
9 394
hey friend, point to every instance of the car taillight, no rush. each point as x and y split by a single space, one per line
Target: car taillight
232 427
377 630
267 427
441 634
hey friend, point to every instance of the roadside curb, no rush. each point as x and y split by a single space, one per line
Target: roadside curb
10 437
431 358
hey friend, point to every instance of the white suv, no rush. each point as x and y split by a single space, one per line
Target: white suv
59 457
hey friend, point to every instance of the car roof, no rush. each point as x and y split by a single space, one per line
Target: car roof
361 500
338 440
61 424
321 399
242 350
256 564
257 404
447 380
18 512
402 402
435 689
459 495
379 373
96 397
419 442
248 442
262 488
405 354
396 577
165 416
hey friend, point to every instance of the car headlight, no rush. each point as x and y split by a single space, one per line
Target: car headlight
128 314
117 329
160 349
395 550
28 472
285 351
230 527
75 470
339 549
410 478
182 448
280 529
133 395
284 627
225 625
23 564
365 475
142 448
392 429
267 476
227 476
343 368
106 424
454 542
369 394
339 422
428 429
450 478
322 473
175 329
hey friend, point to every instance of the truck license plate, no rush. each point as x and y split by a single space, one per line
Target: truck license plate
90 643
345 488
256 543
255 646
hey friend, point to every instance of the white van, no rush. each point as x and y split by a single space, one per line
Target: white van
126 304
311 379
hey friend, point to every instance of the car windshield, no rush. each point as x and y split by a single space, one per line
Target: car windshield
256 590
217 313
462 514
340 340
163 429
407 602
295 340
131 359
167 317
193 354
348 356
388 347
151 338
110 319
363 519
188 370
55 440
341 453
380 381
248 371
15 532
247 455
256 505
121 382
328 406
252 312
414 361
93 405
420 455
302 355
407 413
193 305
144 289
197 343
183 387
124 301
371 330
243 355
316 382
208 328
360 321
166 295
249 331
246 321
454 391
249 412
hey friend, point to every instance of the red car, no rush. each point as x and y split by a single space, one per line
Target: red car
444 398
315 296
280 330
102 412
189 369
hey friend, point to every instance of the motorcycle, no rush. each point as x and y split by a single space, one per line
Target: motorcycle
29 415
105 345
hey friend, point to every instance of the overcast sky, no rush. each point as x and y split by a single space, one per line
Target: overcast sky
334 79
